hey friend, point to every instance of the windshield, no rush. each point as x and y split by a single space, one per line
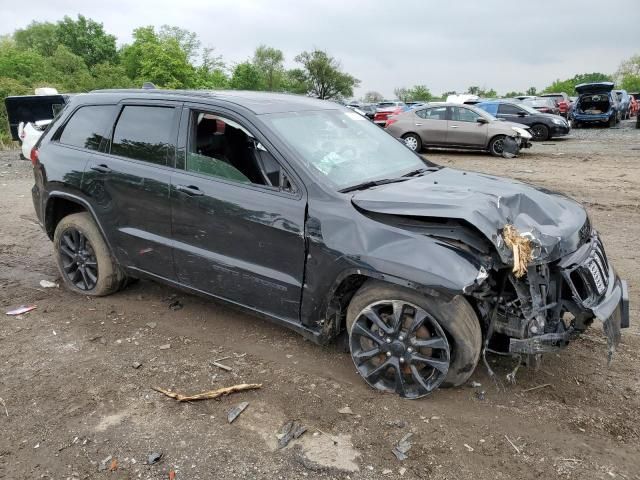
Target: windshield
536 103
342 147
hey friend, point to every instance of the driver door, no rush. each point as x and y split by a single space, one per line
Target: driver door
464 128
237 216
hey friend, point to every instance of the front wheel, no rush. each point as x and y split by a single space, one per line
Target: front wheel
83 257
540 132
408 343
412 141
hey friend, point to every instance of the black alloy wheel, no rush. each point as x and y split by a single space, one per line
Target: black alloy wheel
79 262
540 132
398 347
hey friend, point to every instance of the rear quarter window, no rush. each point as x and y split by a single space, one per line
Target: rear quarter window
87 126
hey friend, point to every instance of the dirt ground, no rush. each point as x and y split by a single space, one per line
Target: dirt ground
74 406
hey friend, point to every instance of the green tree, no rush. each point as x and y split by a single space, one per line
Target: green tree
295 81
532 91
87 39
514 94
420 93
270 63
373 97
401 93
246 77
188 41
324 77
25 66
67 71
628 74
108 75
568 86
8 86
211 72
41 37
474 90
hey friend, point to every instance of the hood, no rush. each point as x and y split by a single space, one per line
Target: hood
597 87
488 203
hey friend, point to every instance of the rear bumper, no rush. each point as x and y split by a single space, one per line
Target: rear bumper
584 118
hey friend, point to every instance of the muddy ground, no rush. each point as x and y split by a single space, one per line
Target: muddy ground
74 401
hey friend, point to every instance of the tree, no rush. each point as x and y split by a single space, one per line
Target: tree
211 72
295 81
269 62
514 94
373 97
401 93
188 41
324 77
628 74
474 90
158 59
37 36
420 93
87 39
569 85
532 91
246 77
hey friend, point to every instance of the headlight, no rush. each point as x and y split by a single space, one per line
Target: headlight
522 132
558 121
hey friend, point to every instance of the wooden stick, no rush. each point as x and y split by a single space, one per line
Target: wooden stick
512 444
209 395
536 388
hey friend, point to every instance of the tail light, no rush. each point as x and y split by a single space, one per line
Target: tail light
34 156
390 121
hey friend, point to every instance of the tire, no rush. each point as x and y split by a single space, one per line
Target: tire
495 145
540 132
456 318
613 121
94 260
413 142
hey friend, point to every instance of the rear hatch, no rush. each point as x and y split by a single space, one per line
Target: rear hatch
31 108
597 87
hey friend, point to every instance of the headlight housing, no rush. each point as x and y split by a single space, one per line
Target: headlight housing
558 121
521 132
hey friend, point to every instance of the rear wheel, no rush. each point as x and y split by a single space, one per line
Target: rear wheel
412 141
405 342
85 263
540 132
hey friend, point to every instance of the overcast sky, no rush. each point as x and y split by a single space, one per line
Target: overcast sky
500 44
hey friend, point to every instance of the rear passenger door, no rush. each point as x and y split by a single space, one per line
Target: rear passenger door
431 124
238 215
128 183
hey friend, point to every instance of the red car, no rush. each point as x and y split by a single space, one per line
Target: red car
386 109
562 100
633 109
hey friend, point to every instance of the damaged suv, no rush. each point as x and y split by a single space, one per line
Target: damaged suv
305 212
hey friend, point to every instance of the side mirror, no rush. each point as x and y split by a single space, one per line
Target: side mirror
522 114
482 120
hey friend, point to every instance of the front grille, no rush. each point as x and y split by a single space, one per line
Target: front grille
589 280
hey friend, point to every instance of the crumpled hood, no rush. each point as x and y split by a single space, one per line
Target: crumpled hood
486 202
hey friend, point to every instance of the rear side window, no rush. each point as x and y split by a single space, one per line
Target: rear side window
437 113
508 109
145 133
87 126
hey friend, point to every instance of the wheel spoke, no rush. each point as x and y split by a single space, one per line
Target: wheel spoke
69 241
64 249
418 320
85 278
398 309
367 355
374 374
91 263
67 268
440 365
375 318
433 342
400 384
76 240
361 331
82 241
92 276
415 374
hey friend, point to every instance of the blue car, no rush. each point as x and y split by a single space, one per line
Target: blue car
596 104
624 101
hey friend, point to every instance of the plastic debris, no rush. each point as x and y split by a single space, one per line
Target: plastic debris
166 346
475 384
210 394
346 411
48 284
136 365
152 324
402 447
236 411
290 431
103 464
153 458
21 309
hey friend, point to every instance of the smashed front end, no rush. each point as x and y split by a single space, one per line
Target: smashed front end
541 305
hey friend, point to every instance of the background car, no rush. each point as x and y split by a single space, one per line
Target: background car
596 104
562 100
367 109
543 125
624 101
634 106
387 109
451 125
543 104
29 133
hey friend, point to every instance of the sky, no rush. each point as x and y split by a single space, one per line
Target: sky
443 44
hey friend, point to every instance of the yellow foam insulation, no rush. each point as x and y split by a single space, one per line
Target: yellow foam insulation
521 248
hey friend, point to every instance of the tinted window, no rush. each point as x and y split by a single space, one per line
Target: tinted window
508 109
437 113
87 126
462 114
145 133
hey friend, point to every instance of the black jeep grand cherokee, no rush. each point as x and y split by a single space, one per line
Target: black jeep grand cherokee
305 212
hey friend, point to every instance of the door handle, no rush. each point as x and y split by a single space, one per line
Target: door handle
102 168
418 124
190 190
454 126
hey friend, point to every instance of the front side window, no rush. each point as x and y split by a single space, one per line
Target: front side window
461 114
508 109
220 147
145 133
436 113
343 148
87 126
